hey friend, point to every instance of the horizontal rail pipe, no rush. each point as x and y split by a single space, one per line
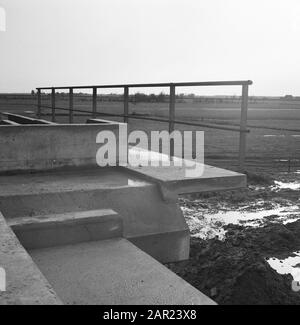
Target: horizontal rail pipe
149 85
242 129
157 119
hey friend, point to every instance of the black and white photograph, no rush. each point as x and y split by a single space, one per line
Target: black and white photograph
149 155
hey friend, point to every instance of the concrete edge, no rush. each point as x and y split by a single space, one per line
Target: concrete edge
171 189
165 247
68 232
76 218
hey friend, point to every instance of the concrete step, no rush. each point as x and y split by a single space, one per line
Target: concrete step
67 228
112 272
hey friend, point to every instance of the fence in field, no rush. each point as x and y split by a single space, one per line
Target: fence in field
171 120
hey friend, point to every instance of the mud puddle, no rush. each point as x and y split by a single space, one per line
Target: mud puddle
245 245
208 224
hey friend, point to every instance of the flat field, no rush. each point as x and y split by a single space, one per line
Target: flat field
274 125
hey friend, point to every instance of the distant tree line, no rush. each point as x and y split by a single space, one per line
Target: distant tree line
162 97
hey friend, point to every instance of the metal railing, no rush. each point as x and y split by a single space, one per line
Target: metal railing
171 120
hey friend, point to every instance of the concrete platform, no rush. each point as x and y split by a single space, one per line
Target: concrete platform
113 272
68 180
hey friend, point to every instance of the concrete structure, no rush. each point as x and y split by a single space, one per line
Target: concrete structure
120 222
155 225
20 119
40 147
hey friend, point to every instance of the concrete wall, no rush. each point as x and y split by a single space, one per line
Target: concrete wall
38 147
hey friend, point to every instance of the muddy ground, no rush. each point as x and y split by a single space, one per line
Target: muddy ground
228 259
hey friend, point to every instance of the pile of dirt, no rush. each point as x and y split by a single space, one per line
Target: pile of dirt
235 271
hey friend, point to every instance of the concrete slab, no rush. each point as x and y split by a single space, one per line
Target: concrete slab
68 180
113 272
67 228
173 178
25 284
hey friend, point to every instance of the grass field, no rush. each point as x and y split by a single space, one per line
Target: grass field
265 147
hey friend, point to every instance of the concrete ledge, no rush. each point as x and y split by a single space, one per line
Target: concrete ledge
173 180
101 121
8 122
25 283
16 119
21 119
67 228
40 121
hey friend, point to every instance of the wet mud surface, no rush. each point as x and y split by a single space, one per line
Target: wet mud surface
245 244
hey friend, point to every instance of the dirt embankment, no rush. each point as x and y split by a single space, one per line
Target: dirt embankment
235 270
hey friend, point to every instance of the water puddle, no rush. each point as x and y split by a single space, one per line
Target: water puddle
206 225
255 218
283 186
290 265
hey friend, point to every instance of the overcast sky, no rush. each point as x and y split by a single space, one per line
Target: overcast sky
67 42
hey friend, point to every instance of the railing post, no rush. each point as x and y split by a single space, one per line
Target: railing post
94 102
71 105
172 116
53 104
243 127
39 103
126 103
